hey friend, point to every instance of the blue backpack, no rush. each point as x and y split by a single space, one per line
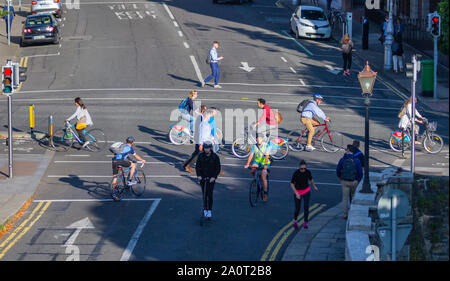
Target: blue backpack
184 104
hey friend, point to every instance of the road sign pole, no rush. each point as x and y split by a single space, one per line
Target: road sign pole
10 156
8 22
413 114
435 67
393 225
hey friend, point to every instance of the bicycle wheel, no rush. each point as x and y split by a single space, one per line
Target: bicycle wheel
178 137
433 143
139 188
96 139
241 148
282 149
254 191
332 142
396 145
118 188
296 141
60 141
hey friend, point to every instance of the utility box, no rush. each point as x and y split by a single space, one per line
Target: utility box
427 78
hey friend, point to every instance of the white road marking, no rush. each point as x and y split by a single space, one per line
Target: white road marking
168 11
293 70
245 66
186 45
298 43
180 33
283 59
129 250
175 23
197 69
301 81
47 55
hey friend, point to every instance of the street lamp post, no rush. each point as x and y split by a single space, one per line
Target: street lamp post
366 79
389 39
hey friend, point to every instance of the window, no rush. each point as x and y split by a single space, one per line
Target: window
39 20
313 15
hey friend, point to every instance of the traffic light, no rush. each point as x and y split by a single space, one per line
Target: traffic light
409 70
19 74
7 79
436 25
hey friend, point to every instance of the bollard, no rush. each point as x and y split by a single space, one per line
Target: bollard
50 130
32 117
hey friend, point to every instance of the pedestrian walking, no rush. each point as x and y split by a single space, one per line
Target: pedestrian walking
347 47
302 191
187 164
8 16
213 61
207 169
357 154
397 47
383 31
398 27
186 107
349 172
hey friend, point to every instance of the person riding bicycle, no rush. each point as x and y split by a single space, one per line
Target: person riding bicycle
405 116
83 119
260 154
267 123
186 107
121 159
307 118
207 167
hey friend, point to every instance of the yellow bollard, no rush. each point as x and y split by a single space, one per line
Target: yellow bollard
32 119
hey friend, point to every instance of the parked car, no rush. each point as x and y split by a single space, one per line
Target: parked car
46 6
310 22
232 1
40 28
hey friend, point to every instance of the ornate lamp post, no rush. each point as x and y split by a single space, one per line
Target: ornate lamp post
389 39
366 79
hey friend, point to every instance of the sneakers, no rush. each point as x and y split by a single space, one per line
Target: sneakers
222 172
202 84
305 225
205 213
131 182
217 86
265 196
84 145
209 214
188 168
295 225
310 148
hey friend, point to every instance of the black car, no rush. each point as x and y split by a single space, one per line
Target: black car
232 1
40 28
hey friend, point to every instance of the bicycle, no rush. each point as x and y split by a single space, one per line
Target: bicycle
331 141
179 134
121 184
241 146
432 142
256 188
64 138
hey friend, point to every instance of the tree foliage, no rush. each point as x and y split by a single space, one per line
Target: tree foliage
444 38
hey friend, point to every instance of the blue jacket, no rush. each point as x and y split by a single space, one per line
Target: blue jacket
11 15
359 171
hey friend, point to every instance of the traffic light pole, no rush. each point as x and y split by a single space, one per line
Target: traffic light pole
10 136
435 67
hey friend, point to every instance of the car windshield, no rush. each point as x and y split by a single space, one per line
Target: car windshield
39 20
313 15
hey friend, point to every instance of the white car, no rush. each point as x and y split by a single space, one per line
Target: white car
310 22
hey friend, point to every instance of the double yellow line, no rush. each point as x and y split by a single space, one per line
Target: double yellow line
284 235
23 63
23 228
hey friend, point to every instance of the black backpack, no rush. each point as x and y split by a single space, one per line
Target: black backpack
348 171
302 105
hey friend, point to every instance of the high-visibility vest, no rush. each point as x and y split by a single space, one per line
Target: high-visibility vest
260 154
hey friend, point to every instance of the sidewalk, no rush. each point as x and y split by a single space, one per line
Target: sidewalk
28 170
375 55
324 240
12 51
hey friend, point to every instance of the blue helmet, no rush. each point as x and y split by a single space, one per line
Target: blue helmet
318 96
130 139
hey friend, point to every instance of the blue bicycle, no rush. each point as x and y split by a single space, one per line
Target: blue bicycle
121 185
63 139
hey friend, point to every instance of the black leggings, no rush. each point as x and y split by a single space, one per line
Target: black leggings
305 198
347 60
207 194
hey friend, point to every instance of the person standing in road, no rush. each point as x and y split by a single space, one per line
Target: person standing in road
187 164
8 16
347 47
214 64
349 172
207 169
307 118
302 190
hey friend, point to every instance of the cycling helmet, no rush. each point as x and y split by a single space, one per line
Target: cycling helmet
318 97
130 139
207 145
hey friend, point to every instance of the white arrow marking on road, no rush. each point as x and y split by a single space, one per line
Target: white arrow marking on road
333 70
245 66
70 248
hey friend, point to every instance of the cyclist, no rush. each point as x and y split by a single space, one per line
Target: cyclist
261 153
121 159
83 119
406 116
307 118
186 107
267 121
207 167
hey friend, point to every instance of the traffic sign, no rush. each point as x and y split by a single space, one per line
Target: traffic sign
385 234
386 203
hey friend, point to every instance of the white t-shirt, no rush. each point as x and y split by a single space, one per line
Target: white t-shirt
79 113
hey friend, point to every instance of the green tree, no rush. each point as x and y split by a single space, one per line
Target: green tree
444 38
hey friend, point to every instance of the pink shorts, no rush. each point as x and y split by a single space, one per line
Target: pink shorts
303 191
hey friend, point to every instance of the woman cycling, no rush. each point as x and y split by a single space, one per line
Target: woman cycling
406 115
83 119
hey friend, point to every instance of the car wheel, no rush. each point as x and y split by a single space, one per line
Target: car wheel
57 40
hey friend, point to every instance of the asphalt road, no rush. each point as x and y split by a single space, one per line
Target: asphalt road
132 62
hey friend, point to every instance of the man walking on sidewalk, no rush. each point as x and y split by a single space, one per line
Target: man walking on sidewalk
349 172
214 64
8 15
